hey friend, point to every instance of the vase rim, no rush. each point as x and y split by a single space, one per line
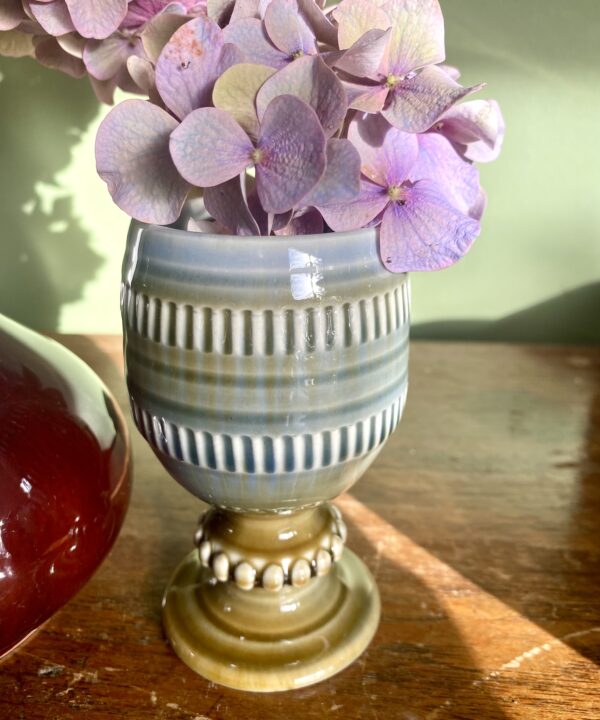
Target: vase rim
369 233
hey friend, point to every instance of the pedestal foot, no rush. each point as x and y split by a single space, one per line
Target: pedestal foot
266 641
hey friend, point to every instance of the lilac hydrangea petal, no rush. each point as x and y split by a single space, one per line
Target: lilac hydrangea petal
365 56
280 221
230 55
250 37
11 14
226 203
73 44
293 146
387 154
341 179
322 27
14 43
97 21
425 232
49 53
287 29
417 38
142 73
104 58
246 9
371 200
450 70
418 102
369 99
158 31
479 125
209 147
53 17
308 222
355 18
439 161
309 79
132 157
235 93
104 90
188 66
126 83
140 11
478 208
220 10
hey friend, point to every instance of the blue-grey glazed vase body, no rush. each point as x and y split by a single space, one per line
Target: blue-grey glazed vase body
265 372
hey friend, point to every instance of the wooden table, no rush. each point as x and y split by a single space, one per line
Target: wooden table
480 520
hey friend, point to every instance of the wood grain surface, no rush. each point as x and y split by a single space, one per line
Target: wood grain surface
480 521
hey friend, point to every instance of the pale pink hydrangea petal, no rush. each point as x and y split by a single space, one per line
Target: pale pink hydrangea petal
424 232
387 154
158 31
54 17
132 157
235 92
478 125
95 20
309 79
366 98
416 103
287 29
371 201
104 58
308 222
363 59
341 179
189 65
49 53
417 38
456 178
250 37
11 14
293 146
357 17
226 203
209 147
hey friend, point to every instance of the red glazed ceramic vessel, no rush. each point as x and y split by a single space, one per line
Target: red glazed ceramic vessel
64 478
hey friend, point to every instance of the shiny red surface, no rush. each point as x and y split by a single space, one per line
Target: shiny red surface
64 478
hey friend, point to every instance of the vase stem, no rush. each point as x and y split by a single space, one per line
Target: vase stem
270 601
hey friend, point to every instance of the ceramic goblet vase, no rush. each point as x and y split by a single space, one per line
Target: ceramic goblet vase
266 373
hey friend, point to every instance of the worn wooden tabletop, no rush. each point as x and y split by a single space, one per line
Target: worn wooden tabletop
480 521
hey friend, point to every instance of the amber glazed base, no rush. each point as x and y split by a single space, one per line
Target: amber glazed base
266 641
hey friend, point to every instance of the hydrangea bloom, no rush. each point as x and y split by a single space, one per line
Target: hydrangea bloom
284 117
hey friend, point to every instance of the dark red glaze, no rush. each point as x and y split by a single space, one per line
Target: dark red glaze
64 478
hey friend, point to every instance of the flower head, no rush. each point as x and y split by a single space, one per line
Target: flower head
280 117
425 197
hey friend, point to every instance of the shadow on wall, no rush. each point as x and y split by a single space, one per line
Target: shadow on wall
571 318
45 258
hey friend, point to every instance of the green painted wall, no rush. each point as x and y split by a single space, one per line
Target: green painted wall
533 274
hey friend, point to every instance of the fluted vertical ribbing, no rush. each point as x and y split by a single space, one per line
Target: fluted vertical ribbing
263 360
